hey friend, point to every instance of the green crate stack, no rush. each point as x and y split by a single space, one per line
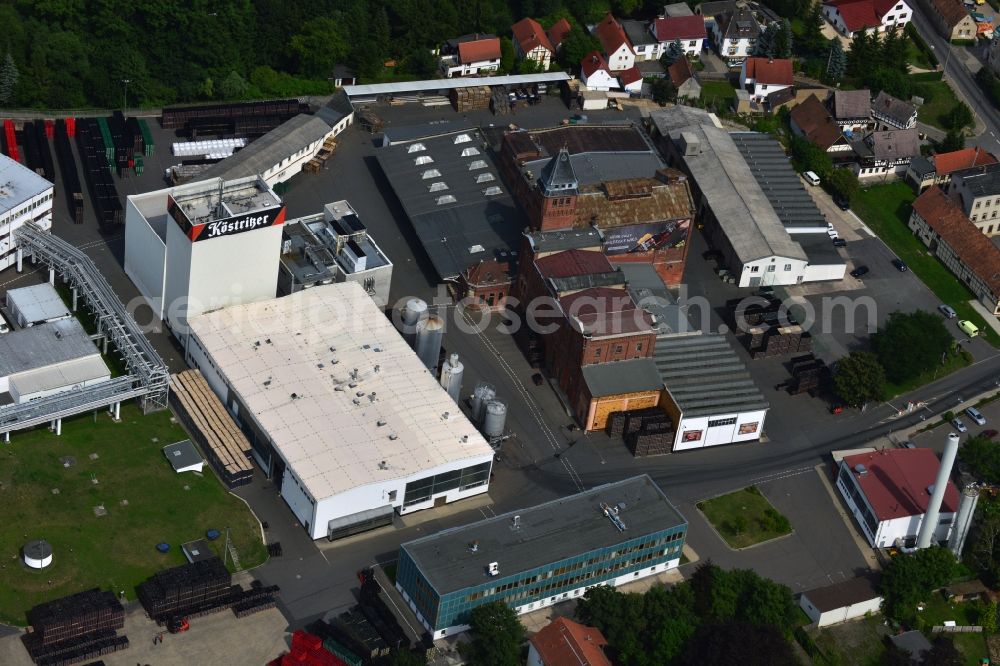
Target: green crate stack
109 145
138 164
147 137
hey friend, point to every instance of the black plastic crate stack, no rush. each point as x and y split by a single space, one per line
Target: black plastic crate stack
188 590
249 119
781 341
354 630
36 149
75 628
103 192
255 600
68 172
378 613
809 374
616 423
654 436
124 144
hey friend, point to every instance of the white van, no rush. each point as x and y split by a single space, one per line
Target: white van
811 177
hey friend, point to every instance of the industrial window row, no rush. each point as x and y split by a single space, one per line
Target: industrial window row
423 489
722 422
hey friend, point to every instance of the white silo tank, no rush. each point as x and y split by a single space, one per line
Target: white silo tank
963 519
451 377
930 521
430 332
494 419
482 395
413 312
38 554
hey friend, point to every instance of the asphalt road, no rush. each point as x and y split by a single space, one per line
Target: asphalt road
958 74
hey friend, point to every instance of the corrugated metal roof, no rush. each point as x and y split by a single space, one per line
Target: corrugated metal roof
705 376
447 84
37 303
61 375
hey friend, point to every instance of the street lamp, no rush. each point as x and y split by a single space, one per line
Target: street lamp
125 101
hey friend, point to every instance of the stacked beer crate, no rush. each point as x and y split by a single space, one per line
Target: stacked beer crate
75 628
307 649
470 99
808 374
189 590
780 341
649 432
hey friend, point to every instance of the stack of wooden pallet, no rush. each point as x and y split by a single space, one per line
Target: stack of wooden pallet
316 163
470 99
223 443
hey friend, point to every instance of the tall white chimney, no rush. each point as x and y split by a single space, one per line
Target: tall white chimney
930 522
963 520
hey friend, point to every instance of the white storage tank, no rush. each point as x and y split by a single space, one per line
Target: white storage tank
494 419
482 395
430 332
451 377
38 554
413 312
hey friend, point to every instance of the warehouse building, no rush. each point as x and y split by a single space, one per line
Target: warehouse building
285 150
746 201
203 245
539 556
37 304
888 492
453 197
843 601
24 197
710 395
332 246
340 412
47 359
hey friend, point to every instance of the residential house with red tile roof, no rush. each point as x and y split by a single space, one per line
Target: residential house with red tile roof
940 223
615 44
557 33
977 191
763 76
564 642
688 30
631 79
851 16
596 74
682 76
938 169
531 42
811 120
470 55
887 492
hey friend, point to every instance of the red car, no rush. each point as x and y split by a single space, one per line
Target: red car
989 434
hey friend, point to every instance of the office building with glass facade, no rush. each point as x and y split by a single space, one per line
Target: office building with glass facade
542 555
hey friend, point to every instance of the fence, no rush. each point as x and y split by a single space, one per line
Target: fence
957 630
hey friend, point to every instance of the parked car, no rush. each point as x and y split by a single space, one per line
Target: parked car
842 203
4 328
831 231
839 242
811 178
859 271
900 265
989 433
947 311
766 292
909 445
976 416
968 328
959 425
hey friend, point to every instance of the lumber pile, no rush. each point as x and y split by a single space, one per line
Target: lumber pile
471 99
223 443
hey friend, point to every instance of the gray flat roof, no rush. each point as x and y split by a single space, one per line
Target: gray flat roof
638 32
338 108
18 183
425 130
638 374
451 191
547 533
39 302
776 177
182 454
741 207
447 84
594 168
283 141
820 249
44 345
648 291
980 181
565 239
678 9
705 376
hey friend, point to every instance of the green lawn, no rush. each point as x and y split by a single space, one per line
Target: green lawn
939 98
860 642
118 550
952 363
745 518
886 209
938 610
713 92
916 57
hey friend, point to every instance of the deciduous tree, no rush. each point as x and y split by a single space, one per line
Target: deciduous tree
911 343
859 379
497 635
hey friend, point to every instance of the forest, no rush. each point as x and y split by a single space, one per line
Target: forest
66 54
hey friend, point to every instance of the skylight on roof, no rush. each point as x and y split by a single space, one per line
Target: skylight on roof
438 186
446 199
423 159
463 138
485 177
416 148
470 151
492 191
430 173
477 164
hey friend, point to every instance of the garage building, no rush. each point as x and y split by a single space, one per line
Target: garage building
47 359
339 410
847 600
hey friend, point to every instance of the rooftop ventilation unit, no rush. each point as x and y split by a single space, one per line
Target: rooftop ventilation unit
393 437
493 569
473 546
860 469
612 514
515 522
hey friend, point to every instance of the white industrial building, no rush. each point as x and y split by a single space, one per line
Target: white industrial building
840 602
47 359
332 246
340 411
203 246
24 197
37 304
888 492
